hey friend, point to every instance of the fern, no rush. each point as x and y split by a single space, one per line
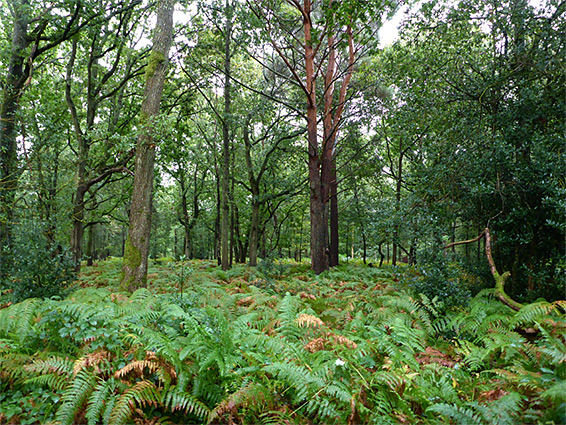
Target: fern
287 315
502 412
142 393
460 415
250 395
75 396
536 312
183 401
18 321
98 400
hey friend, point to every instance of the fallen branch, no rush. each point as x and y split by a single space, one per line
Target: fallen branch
499 278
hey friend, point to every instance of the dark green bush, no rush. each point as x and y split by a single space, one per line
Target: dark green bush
447 281
270 267
35 270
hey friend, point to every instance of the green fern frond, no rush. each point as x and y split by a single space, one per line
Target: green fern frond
176 400
140 295
61 366
75 396
535 312
142 393
503 411
250 395
322 408
17 321
394 381
552 347
287 315
98 400
460 415
50 380
556 393
12 366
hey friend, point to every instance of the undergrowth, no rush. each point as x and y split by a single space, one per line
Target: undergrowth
277 345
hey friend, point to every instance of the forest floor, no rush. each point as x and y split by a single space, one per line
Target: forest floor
277 344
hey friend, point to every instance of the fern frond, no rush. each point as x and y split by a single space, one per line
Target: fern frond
553 347
307 320
90 360
140 295
98 400
556 393
138 366
251 394
12 366
503 411
535 312
75 396
18 320
52 365
176 400
460 415
142 393
50 380
287 315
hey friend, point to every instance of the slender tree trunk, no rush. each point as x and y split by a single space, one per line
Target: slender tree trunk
254 233
90 252
137 244
225 229
398 188
334 235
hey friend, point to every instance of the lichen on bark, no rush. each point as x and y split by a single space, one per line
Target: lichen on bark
132 260
155 59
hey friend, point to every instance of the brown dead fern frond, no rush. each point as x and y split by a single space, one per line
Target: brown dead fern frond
329 341
317 344
91 360
151 363
342 340
308 320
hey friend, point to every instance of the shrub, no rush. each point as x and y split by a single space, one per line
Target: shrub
37 271
447 281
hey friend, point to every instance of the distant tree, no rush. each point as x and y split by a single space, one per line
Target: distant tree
320 42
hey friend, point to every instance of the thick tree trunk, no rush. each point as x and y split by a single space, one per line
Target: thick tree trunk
137 244
318 206
13 87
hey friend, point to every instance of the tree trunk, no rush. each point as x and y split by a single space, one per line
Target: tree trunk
254 233
90 251
137 244
13 87
318 206
334 236
225 229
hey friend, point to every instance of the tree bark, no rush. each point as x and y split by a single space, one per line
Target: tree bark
225 228
137 244
13 88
